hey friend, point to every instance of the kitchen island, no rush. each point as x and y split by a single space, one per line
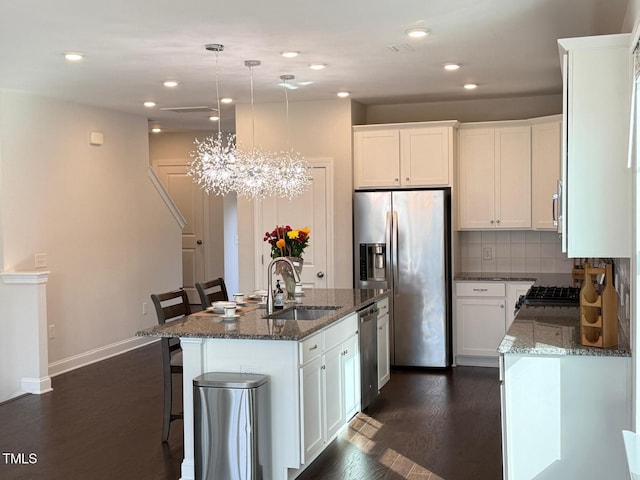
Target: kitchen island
313 369
564 405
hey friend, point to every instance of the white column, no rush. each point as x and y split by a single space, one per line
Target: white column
192 366
23 347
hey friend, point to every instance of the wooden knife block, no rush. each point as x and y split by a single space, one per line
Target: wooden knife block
598 311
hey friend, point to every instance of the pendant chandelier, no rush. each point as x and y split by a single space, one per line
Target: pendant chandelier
293 172
214 161
220 169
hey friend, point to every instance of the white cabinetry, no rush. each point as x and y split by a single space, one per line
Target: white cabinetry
494 174
350 365
329 384
569 410
596 190
384 366
546 133
403 155
484 312
312 407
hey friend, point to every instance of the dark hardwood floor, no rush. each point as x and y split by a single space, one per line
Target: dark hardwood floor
103 421
425 425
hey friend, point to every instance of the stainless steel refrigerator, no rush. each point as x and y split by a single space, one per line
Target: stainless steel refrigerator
402 242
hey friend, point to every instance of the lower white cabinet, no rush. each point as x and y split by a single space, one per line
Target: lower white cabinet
384 366
312 407
562 416
480 326
484 312
350 364
329 384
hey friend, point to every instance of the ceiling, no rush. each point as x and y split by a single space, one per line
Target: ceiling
507 47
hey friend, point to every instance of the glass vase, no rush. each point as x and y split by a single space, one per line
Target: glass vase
288 277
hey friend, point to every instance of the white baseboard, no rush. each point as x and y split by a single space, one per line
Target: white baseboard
98 354
35 385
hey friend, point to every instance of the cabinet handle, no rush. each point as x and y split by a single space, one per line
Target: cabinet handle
480 289
407 179
379 328
313 348
395 180
502 306
497 221
491 222
323 367
554 209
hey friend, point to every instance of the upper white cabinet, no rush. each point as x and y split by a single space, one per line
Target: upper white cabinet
494 174
546 133
596 184
403 155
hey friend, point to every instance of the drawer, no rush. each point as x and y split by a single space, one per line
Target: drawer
383 306
310 348
340 331
480 289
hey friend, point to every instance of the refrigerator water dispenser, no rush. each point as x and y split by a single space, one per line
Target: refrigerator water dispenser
372 262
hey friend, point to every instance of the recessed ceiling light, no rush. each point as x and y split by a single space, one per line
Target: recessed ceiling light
149 104
213 118
318 66
170 84
226 100
156 130
73 56
452 67
470 86
343 94
418 32
290 53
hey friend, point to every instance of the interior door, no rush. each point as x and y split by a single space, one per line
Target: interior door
311 209
189 200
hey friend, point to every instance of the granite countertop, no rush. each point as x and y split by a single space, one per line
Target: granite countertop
552 331
251 323
542 279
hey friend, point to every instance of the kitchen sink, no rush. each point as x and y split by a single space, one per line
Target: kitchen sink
307 312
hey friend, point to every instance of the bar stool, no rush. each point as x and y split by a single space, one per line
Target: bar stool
170 306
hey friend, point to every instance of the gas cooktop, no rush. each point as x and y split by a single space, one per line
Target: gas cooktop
550 296
553 295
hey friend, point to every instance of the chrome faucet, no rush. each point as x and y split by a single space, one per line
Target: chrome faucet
296 275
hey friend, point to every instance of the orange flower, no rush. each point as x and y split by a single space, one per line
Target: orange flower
281 243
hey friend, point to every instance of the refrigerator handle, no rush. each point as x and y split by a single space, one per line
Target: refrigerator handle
387 240
395 249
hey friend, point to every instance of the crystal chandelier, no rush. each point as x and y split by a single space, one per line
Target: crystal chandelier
219 168
263 174
214 160
291 169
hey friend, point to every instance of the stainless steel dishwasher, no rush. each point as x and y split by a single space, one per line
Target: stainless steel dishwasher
368 339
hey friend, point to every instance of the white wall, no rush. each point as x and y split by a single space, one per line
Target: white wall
109 238
320 129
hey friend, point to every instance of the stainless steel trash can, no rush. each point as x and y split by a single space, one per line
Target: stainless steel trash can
232 426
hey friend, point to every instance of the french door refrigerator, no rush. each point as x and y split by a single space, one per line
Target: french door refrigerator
402 242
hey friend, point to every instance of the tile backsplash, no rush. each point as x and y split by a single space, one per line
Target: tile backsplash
622 281
512 251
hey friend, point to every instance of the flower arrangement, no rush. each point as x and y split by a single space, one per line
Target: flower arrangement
287 242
